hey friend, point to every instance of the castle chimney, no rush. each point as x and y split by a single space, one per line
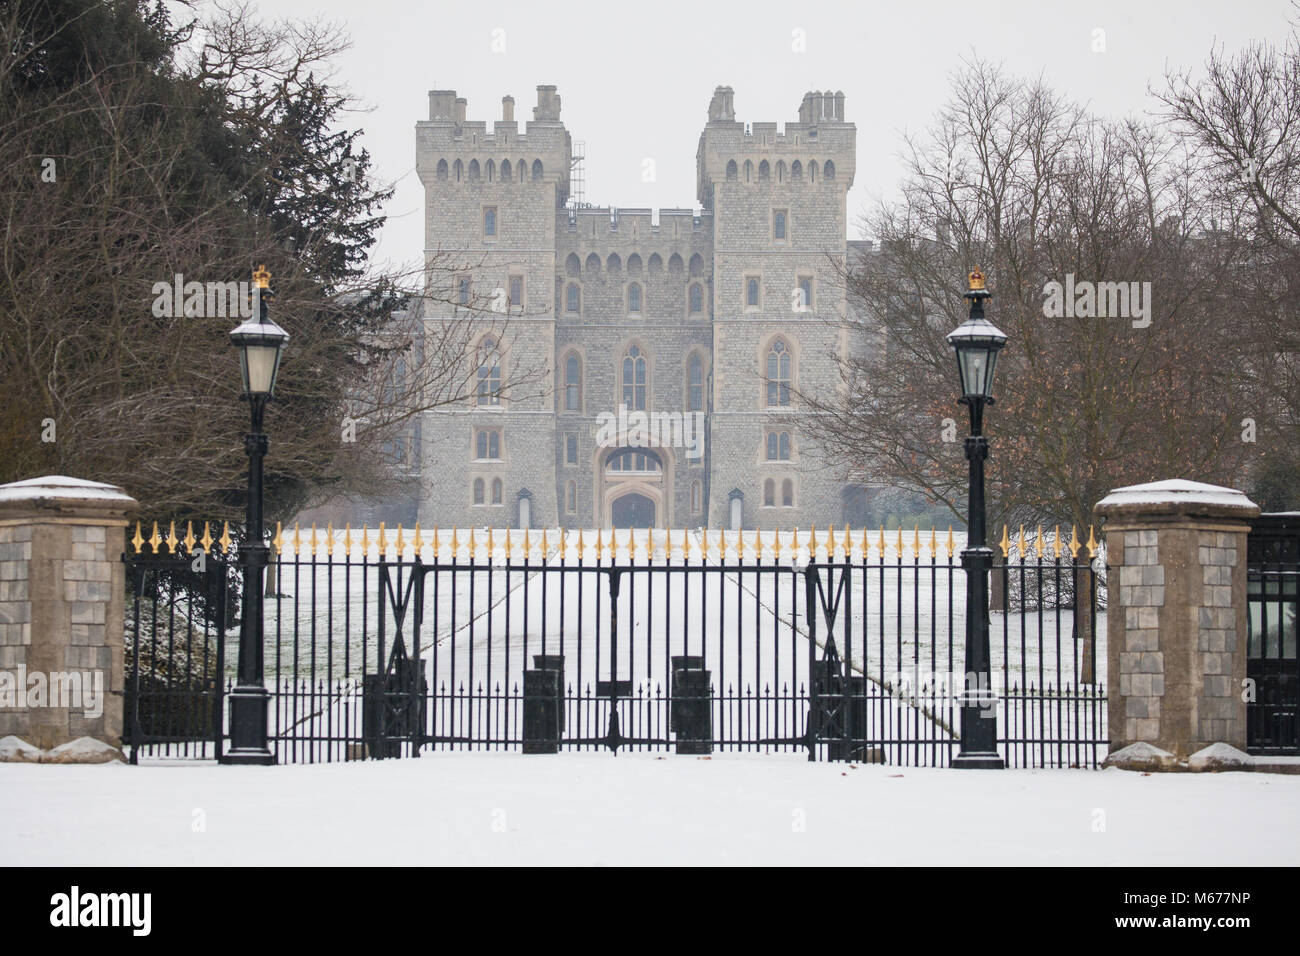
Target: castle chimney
839 105
507 109
461 103
818 107
548 104
720 108
442 105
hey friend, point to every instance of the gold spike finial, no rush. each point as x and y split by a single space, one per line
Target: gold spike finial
347 538
172 540
934 551
1038 541
949 544
418 543
1092 543
865 544
401 541
189 537
434 543
224 540
1056 541
297 541
382 541
473 541
311 541
364 543
528 544
812 539
1020 543
261 277
155 539
1074 541
329 538
976 280
455 543
880 542
600 546
278 540
206 540
900 541
137 540
916 540
1005 543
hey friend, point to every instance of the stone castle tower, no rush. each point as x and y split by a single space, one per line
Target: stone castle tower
673 345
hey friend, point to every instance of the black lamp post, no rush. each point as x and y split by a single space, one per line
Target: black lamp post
977 343
260 342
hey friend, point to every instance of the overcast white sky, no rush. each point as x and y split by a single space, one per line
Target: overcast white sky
635 78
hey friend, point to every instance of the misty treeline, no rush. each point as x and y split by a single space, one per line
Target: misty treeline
1197 202
136 147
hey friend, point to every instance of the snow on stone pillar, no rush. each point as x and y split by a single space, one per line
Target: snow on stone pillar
1176 620
62 591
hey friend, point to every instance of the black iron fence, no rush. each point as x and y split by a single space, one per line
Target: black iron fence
1272 658
833 645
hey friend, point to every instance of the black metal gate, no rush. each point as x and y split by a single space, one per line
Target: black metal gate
831 646
1272 666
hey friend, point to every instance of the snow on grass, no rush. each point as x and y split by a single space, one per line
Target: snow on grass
594 808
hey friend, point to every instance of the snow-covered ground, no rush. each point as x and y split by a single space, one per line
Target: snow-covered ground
595 808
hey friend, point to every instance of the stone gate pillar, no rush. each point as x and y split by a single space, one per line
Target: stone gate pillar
1176 619
62 591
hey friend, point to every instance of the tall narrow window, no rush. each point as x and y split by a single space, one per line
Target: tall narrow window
787 493
695 383
778 375
572 383
496 491
751 292
489 373
487 444
571 449
490 222
805 294
634 379
769 493
478 491
697 298
572 298
778 225
517 292
572 497
462 290
634 297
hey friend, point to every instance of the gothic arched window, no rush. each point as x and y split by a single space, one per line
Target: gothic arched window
695 383
634 297
778 374
634 379
572 383
489 373
572 298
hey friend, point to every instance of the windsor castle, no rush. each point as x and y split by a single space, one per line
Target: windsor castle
676 345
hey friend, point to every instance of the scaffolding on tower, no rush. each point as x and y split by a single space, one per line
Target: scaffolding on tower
578 176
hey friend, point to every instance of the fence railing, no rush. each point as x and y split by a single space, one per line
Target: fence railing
834 645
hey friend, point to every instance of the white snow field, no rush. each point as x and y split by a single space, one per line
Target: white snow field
594 808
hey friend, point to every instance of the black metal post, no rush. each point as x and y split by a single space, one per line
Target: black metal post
979 737
249 700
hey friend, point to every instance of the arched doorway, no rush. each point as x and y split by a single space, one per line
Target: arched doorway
633 488
632 510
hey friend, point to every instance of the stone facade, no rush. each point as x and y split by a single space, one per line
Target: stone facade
679 314
62 586
1177 619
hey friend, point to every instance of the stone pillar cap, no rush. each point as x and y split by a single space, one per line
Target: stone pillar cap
59 494
1177 496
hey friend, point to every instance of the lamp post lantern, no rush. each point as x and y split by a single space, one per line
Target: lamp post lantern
260 342
977 343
